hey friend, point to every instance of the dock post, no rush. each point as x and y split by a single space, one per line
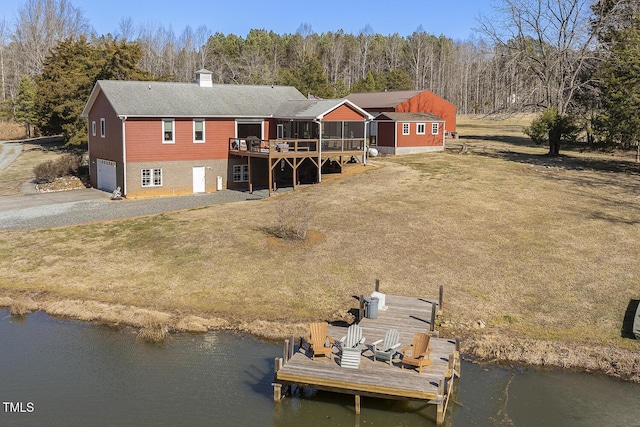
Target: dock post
357 404
361 309
377 285
277 387
291 347
277 392
434 308
441 398
440 298
285 354
457 356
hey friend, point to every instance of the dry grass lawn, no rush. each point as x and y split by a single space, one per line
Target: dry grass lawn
21 171
543 251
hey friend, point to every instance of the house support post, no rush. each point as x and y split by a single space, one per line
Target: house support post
270 176
250 176
357 404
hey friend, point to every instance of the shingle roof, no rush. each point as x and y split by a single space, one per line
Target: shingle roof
410 117
156 99
311 108
382 99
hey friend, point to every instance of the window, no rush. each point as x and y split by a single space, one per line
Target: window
152 177
241 173
93 128
198 131
405 128
420 128
434 128
103 129
167 131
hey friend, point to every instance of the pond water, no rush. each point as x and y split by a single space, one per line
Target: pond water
62 372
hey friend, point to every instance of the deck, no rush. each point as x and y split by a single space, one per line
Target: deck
379 379
293 152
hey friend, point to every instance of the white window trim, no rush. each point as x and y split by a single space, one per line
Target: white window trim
93 128
435 128
103 128
406 128
424 128
173 131
242 171
202 141
152 173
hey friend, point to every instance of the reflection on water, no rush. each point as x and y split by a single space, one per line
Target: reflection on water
79 374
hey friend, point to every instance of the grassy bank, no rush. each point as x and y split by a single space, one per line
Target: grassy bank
540 251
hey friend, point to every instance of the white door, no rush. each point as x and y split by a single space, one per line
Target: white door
198 179
106 175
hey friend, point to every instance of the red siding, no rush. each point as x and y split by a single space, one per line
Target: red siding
343 112
428 102
109 147
415 140
144 140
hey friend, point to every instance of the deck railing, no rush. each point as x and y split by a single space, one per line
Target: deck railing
339 144
267 146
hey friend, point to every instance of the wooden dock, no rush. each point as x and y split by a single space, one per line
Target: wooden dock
378 379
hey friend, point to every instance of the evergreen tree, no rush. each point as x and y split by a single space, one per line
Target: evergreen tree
309 78
619 120
63 88
24 106
68 77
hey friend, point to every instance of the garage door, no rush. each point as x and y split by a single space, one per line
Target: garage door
106 175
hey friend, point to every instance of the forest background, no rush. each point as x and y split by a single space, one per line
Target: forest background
574 61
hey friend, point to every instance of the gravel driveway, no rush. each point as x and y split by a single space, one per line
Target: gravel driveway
9 152
43 211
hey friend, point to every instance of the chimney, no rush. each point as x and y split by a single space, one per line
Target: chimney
203 78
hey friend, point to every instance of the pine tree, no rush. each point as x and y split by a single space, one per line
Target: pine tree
619 120
24 105
68 77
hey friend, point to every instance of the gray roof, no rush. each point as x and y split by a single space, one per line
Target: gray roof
313 108
409 117
163 99
382 99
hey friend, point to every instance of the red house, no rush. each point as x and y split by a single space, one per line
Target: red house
159 138
435 111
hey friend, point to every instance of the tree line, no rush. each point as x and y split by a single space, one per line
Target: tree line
562 57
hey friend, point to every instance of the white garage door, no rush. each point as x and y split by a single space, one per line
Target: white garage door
106 175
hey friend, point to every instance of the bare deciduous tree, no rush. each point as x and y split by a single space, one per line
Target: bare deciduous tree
552 40
41 25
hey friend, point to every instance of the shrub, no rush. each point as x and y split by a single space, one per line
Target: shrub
294 218
19 309
549 119
52 169
153 330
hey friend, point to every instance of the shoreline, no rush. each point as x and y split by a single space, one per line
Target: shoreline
483 346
